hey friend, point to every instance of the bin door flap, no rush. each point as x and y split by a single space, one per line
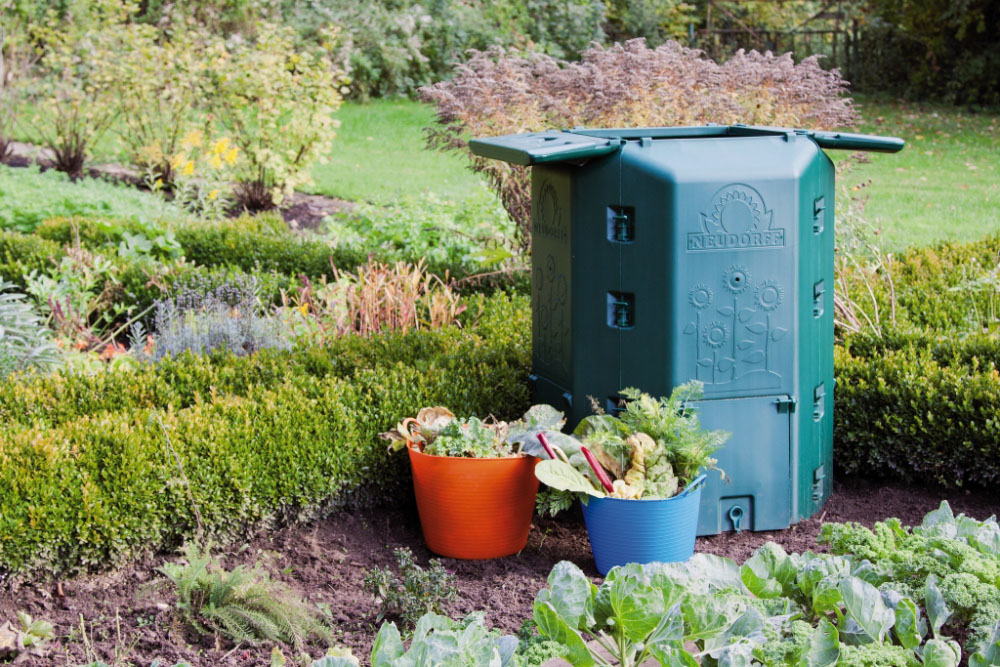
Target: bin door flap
541 147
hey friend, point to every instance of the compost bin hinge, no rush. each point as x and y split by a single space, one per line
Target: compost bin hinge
786 404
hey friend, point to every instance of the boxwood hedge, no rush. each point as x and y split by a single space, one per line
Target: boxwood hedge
919 409
88 477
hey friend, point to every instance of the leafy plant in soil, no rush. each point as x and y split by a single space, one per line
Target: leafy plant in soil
777 609
243 604
438 640
414 592
28 637
953 559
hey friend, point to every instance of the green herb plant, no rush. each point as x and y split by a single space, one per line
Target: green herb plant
414 592
243 604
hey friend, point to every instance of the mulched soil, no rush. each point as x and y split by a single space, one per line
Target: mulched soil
326 562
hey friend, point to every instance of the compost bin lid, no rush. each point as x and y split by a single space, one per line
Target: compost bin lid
581 144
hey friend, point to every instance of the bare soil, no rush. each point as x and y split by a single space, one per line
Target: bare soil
125 612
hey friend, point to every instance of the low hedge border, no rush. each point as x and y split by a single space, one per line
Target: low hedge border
91 485
919 408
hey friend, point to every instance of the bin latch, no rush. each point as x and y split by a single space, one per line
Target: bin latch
621 224
819 290
819 402
819 207
621 310
818 476
786 404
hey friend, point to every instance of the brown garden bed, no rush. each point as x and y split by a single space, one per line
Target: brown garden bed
326 561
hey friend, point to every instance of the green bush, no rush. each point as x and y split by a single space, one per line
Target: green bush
922 410
88 478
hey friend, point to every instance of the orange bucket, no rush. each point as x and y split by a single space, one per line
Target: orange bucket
474 508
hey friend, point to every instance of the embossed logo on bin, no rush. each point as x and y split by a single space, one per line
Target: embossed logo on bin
736 219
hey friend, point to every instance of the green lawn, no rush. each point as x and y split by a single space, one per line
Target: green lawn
379 156
945 184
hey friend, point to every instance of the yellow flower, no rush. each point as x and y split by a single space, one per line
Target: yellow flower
178 160
304 309
220 145
215 162
188 168
213 194
193 139
231 155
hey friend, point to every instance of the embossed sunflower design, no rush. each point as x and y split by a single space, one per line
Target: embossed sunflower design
736 279
715 334
769 295
700 296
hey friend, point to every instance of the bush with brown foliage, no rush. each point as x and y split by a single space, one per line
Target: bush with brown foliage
626 85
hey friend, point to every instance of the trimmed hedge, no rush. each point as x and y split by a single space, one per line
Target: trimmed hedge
920 408
251 244
87 479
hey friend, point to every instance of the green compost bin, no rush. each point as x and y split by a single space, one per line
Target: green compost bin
661 255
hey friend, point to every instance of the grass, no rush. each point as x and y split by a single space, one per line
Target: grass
28 197
944 185
379 156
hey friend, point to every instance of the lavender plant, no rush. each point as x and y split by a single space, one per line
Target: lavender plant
202 318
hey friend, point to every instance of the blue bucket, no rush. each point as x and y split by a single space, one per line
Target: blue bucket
643 531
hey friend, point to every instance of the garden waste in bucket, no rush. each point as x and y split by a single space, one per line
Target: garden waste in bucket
643 531
474 508
662 255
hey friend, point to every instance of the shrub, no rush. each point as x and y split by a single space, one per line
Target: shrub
87 479
626 85
467 236
415 592
24 338
657 21
276 103
158 83
392 47
918 409
243 604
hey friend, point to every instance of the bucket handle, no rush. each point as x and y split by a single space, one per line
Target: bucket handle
693 486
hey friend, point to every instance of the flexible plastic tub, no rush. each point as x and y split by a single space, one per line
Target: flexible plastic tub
643 531
474 508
